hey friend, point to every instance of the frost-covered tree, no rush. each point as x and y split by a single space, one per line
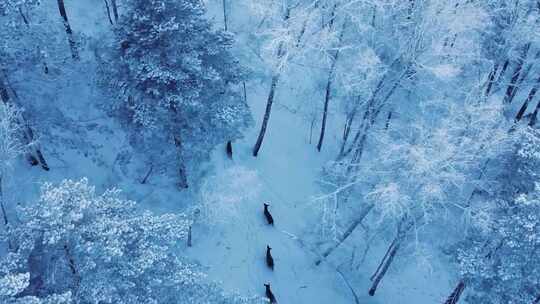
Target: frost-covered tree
224 195
98 248
497 258
11 147
176 82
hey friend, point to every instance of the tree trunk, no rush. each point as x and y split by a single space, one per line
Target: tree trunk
403 227
456 294
4 213
532 121
189 237
530 97
347 129
23 16
491 79
108 11
145 178
225 14
69 32
512 87
503 70
326 102
386 262
269 102
347 232
115 10
182 176
34 152
344 151
328 93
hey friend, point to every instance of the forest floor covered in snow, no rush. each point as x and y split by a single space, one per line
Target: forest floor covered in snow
231 245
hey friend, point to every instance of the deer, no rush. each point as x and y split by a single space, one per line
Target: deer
269 258
269 294
267 214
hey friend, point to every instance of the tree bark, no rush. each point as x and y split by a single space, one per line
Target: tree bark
4 213
456 294
532 121
108 11
347 233
529 98
329 84
386 262
182 176
266 118
189 237
69 31
491 79
115 10
145 178
512 87
275 79
23 16
225 14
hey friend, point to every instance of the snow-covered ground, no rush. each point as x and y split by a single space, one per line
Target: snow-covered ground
285 174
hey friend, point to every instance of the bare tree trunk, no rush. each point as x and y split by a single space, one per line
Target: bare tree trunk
512 87
383 259
275 79
456 294
115 10
403 227
182 176
245 91
383 267
225 14
370 105
4 213
491 79
266 118
347 128
347 232
532 121
23 16
329 82
108 11
530 97
370 117
325 110
189 237
503 70
69 31
145 178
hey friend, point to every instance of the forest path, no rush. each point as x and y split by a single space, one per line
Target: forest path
234 251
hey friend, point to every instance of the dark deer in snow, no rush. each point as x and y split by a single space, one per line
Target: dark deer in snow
269 294
269 217
229 149
269 258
